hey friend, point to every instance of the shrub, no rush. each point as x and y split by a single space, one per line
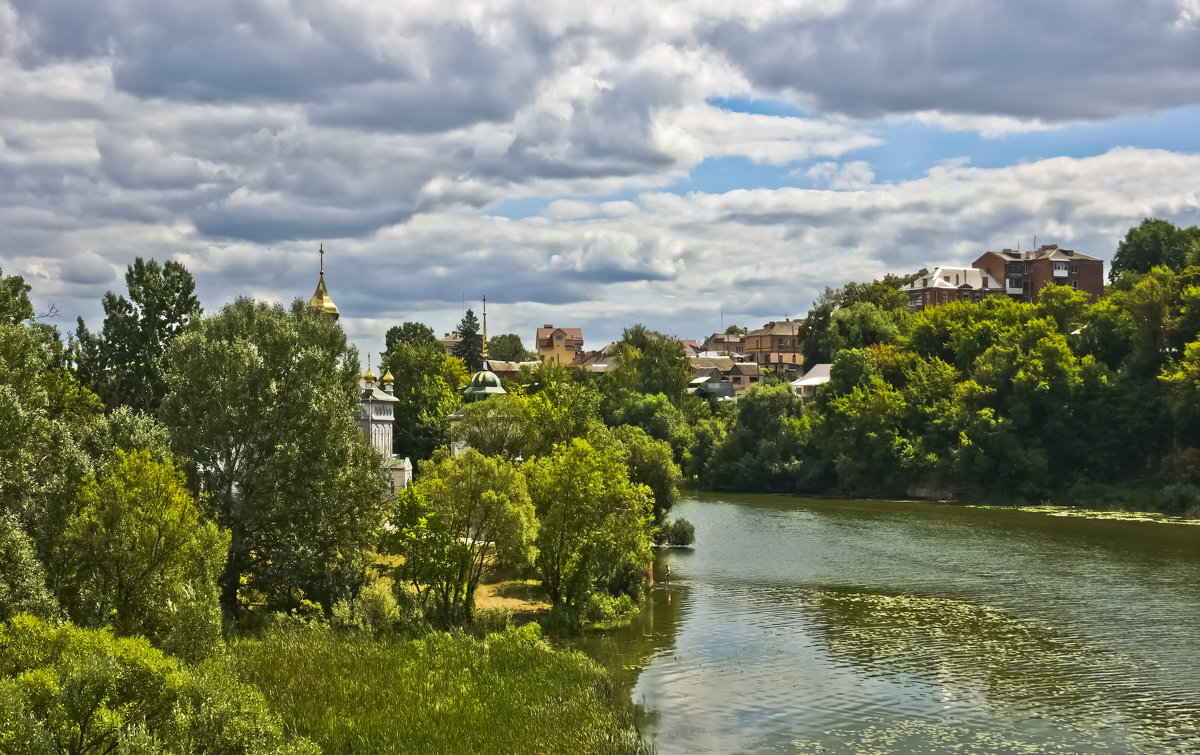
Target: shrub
61 685
374 610
1180 499
678 532
601 608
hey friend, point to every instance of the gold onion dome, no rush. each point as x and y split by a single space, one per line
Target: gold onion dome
368 375
321 301
387 378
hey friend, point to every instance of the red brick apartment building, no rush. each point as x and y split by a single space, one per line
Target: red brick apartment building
1024 274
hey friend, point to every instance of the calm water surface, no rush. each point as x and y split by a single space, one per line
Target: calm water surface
800 625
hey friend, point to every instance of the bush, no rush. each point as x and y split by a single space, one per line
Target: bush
63 684
678 532
374 610
1180 499
605 609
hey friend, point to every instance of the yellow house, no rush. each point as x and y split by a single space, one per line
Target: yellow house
559 345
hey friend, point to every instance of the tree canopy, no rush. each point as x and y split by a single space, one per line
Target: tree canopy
283 463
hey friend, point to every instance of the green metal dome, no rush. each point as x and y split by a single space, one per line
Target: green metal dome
483 383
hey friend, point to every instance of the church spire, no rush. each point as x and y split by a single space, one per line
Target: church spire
321 301
484 350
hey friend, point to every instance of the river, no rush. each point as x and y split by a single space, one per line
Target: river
821 626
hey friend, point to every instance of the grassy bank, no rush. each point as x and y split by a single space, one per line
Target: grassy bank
445 693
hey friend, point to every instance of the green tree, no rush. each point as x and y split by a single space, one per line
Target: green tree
482 504
263 406
123 363
44 413
22 577
79 691
1152 243
145 560
499 426
651 463
655 414
507 347
425 397
649 362
412 333
470 348
594 520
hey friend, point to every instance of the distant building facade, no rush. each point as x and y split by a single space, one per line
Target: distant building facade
774 344
559 345
947 284
1025 274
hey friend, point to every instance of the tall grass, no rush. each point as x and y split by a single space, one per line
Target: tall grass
442 693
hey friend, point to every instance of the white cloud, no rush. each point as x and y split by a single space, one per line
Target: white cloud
237 134
841 176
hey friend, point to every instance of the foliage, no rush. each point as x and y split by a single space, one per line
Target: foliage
283 463
124 362
45 415
411 333
875 310
507 347
144 560
482 516
426 395
651 463
470 348
70 690
656 415
649 362
508 692
677 532
594 520
769 445
22 578
1153 243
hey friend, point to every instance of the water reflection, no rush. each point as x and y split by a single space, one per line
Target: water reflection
863 626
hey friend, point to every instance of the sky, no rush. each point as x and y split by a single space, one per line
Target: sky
686 165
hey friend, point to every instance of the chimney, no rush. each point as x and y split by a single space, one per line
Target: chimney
547 325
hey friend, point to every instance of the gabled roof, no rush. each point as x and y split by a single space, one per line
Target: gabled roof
547 331
780 328
746 368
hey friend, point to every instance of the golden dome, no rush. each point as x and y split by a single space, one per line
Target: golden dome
368 375
321 301
387 378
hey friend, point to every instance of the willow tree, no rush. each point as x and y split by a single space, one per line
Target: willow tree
262 405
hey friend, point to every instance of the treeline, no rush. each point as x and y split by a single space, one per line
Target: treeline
1068 400
184 495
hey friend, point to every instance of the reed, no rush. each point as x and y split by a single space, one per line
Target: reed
446 692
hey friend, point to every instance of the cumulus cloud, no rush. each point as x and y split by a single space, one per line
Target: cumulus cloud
841 176
236 135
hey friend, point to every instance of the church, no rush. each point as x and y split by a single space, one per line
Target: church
376 416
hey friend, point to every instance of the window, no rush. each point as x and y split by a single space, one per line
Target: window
1060 265
558 337
1074 284
1074 268
1014 282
